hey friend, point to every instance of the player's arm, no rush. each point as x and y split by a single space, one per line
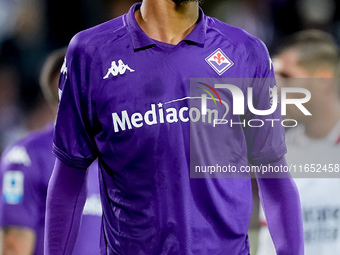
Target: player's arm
74 147
17 241
66 196
266 147
280 200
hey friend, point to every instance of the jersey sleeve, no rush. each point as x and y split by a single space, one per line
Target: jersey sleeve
264 134
23 196
72 142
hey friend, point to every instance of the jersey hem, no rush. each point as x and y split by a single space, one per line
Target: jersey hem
15 224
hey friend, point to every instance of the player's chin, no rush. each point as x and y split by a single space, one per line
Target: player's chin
185 1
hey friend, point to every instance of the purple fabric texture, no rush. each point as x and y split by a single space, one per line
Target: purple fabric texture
281 204
126 100
63 218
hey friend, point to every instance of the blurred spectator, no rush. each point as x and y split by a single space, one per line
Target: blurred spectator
313 55
25 170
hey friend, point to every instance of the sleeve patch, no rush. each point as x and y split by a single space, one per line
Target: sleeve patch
13 187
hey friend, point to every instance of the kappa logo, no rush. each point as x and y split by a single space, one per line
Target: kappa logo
18 155
219 61
114 70
93 206
64 68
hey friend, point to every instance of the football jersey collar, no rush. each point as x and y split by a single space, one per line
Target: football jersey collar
141 40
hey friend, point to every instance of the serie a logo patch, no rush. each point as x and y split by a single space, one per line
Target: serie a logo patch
13 187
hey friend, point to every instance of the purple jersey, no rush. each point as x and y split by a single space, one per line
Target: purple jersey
25 171
125 99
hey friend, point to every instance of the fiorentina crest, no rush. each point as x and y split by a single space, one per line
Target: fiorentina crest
219 61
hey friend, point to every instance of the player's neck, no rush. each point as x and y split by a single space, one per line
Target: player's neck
165 21
320 124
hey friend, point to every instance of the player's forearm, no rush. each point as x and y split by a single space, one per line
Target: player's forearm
66 197
281 204
17 241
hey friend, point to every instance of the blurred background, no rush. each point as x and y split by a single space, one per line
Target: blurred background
31 29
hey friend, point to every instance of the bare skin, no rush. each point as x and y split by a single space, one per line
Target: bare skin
325 98
17 241
167 21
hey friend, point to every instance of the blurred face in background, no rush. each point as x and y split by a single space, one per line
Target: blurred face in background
286 65
290 73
